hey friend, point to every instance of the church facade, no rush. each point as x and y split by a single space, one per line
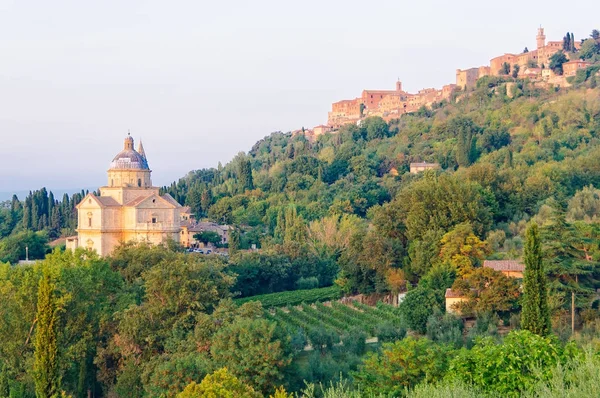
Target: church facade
127 209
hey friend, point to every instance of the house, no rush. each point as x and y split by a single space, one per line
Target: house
570 68
419 167
510 268
192 227
452 298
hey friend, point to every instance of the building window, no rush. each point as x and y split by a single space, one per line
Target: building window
90 222
112 183
153 220
139 182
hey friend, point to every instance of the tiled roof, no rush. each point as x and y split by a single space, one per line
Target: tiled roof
453 294
424 164
504 265
107 201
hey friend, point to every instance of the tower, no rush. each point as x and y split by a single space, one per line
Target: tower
398 85
540 38
130 167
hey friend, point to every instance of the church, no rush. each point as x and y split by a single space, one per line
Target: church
127 209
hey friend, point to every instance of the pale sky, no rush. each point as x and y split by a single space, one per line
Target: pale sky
199 81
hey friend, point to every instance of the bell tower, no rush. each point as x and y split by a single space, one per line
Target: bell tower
540 38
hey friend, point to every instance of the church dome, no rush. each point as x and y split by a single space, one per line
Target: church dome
129 158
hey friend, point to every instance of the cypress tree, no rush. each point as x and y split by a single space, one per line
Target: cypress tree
4 386
535 316
45 365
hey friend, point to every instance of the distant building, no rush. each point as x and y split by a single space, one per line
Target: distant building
321 129
510 268
467 78
127 209
452 299
191 228
419 167
570 68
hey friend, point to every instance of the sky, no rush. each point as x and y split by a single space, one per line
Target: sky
200 81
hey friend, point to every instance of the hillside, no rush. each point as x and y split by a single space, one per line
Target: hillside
336 217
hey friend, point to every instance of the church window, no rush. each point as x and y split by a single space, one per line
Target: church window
112 183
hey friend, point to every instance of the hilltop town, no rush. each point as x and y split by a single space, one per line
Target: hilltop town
392 104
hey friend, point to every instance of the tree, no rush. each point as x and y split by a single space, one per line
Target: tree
515 70
253 351
556 62
245 175
595 34
418 305
525 50
208 237
487 291
46 362
462 249
513 367
465 131
505 68
220 384
589 48
535 316
234 240
402 365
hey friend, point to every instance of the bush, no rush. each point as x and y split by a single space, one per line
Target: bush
388 332
403 365
445 328
513 367
307 283
418 306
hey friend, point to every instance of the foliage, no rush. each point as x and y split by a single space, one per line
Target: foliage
253 351
46 362
513 367
13 248
535 315
294 297
418 305
208 237
487 291
556 62
402 365
220 384
462 249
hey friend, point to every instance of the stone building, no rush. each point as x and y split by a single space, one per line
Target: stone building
127 209
422 166
467 78
570 68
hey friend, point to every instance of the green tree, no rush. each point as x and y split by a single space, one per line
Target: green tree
402 365
418 305
208 237
589 48
220 384
515 70
253 351
505 68
245 175
595 34
513 367
535 316
46 368
556 62
465 131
